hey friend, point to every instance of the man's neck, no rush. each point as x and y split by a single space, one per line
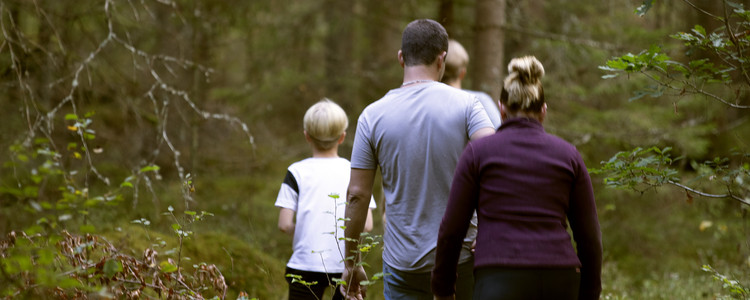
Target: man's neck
421 72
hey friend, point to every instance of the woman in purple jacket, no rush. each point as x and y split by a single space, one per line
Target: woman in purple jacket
526 186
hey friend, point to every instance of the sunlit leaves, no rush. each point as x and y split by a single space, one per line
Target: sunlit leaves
733 286
643 8
638 169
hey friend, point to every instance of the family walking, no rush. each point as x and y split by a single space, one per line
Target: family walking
473 210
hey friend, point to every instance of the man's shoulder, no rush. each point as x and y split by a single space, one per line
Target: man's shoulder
479 94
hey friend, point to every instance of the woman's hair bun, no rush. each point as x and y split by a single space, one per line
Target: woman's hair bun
528 68
522 88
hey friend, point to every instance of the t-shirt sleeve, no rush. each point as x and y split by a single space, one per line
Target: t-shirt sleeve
363 153
477 117
288 193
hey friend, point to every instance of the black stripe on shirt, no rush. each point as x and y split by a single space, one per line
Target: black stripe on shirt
291 181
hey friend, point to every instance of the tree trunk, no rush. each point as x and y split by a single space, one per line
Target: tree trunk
380 69
446 16
488 62
338 54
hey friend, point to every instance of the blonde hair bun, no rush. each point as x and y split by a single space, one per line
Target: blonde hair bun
528 69
522 88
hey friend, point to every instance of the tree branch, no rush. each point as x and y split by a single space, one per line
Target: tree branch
689 189
563 38
695 90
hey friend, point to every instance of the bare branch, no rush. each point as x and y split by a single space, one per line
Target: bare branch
704 194
563 38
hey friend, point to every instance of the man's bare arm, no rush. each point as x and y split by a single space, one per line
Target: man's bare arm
358 201
487 131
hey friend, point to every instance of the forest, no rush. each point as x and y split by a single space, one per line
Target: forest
144 142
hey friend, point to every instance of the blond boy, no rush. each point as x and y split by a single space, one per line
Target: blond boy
308 194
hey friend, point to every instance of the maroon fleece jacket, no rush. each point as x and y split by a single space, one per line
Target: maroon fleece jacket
526 187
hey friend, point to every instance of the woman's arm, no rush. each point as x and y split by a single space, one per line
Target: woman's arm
584 223
456 220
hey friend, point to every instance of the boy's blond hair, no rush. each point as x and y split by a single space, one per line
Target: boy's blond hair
456 60
324 123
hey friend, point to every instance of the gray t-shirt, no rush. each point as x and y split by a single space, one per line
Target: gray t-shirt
416 134
490 106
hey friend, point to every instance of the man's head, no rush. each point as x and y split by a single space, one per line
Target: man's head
325 123
422 42
455 62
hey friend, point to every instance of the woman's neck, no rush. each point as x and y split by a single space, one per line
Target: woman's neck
522 114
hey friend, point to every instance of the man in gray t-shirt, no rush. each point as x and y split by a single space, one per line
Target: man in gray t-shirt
415 134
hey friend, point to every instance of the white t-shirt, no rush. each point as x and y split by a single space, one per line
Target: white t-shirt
306 189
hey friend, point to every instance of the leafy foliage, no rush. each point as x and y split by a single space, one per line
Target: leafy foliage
702 76
733 286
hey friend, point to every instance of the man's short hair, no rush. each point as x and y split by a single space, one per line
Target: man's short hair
422 41
456 60
324 123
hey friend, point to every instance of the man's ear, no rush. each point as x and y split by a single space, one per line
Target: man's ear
544 113
401 58
307 137
441 59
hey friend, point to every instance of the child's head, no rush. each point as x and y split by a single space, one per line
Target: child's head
324 123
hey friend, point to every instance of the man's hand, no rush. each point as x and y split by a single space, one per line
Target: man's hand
353 290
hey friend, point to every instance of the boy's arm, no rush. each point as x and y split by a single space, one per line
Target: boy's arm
286 221
368 222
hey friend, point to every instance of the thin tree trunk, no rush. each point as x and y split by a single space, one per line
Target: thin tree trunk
383 26
446 16
489 57
338 55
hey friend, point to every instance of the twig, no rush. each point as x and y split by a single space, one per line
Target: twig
704 194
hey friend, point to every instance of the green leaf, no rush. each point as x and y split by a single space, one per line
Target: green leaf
71 117
126 184
68 283
641 10
87 228
149 169
112 267
700 31
190 213
167 267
